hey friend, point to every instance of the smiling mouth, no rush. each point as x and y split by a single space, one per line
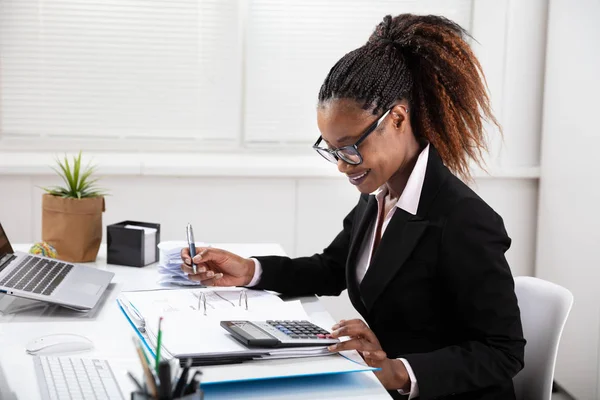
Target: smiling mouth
357 179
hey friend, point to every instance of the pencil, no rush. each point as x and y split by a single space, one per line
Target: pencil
158 344
147 372
144 353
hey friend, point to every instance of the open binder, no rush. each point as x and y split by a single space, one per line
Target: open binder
191 329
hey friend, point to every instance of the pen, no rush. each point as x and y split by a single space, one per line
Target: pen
135 381
164 377
180 386
191 244
192 387
158 344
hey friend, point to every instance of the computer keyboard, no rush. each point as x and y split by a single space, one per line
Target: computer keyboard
75 378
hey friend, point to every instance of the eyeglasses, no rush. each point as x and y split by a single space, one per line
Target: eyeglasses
349 154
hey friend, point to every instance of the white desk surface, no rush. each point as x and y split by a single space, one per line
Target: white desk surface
111 334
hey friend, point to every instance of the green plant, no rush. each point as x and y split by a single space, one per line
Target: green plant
79 183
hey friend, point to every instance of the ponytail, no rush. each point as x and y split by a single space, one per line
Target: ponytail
425 60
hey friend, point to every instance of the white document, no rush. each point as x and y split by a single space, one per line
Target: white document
160 302
191 333
188 330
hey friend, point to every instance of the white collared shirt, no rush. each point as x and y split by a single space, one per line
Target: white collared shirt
409 202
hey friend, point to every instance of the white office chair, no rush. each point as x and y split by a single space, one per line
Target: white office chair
544 308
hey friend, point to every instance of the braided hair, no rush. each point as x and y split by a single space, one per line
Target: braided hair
425 60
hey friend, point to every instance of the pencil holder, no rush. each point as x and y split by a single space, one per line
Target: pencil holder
199 395
132 243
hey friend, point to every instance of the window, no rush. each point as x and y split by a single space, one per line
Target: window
171 74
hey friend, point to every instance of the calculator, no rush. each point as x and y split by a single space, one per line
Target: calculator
278 333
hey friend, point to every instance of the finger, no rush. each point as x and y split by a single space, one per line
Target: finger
214 281
204 254
206 276
341 323
374 355
185 256
202 267
344 322
352 344
356 330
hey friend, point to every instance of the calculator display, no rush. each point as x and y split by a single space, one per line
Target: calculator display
254 331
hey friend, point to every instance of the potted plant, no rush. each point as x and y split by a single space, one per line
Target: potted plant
72 214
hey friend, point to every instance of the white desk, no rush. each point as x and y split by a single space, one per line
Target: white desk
111 334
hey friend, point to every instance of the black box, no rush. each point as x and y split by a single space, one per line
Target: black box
128 246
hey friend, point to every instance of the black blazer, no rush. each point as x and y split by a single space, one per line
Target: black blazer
438 291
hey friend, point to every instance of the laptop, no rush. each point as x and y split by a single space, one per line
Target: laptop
49 280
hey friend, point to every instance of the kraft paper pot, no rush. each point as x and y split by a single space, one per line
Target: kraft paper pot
73 226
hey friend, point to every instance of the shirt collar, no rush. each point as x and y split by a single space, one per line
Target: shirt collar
409 199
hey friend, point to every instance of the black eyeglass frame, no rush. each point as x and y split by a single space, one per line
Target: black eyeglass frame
352 148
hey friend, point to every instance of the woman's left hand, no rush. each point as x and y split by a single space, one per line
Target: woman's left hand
393 374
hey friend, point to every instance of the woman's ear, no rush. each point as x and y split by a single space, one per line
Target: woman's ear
399 115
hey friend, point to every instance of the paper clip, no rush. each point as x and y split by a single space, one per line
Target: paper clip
245 295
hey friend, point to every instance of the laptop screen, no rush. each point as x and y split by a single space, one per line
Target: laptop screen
5 246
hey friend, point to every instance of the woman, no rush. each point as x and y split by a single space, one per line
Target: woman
422 256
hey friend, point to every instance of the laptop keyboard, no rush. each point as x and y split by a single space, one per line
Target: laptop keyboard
37 275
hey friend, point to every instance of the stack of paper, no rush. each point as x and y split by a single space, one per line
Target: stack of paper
169 264
149 242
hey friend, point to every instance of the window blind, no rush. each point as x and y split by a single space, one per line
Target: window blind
292 45
120 69
147 71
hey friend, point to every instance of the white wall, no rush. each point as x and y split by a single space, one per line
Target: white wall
568 238
302 214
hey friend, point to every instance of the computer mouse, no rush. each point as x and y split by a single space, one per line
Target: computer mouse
59 343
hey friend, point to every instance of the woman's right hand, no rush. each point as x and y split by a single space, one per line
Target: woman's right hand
217 267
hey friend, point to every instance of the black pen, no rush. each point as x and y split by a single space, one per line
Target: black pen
192 387
164 377
179 387
191 244
136 382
